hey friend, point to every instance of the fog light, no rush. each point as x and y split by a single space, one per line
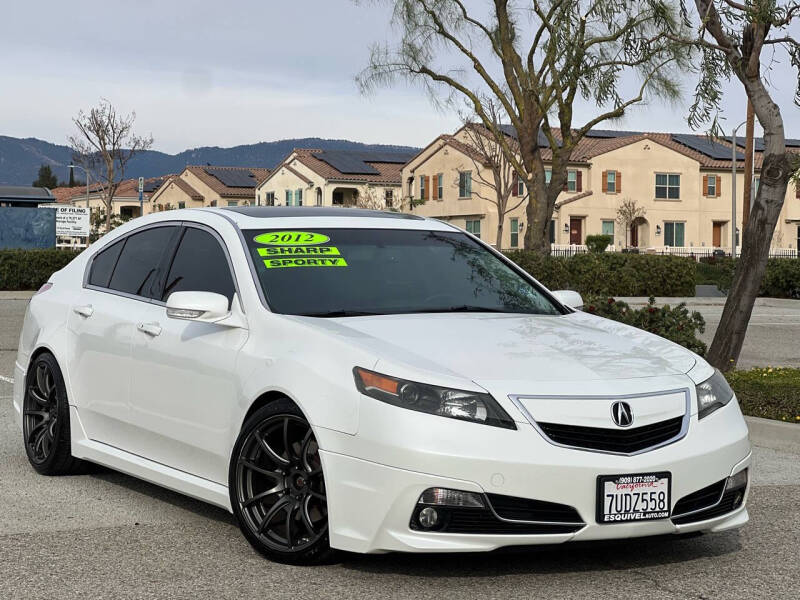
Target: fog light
447 497
739 480
428 517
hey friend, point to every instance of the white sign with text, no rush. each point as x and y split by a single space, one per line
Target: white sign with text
72 221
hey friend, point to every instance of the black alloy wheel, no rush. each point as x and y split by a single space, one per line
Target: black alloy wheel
277 486
45 419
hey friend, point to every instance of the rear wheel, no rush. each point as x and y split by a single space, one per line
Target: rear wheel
45 419
277 487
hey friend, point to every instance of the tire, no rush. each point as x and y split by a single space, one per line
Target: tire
277 488
45 420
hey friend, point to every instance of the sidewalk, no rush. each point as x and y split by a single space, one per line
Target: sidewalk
704 301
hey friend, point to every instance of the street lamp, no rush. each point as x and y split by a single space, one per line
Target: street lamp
733 189
87 180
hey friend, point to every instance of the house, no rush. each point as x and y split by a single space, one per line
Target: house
199 186
682 181
125 202
24 196
366 178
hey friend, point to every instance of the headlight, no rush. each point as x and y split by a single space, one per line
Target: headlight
712 394
455 404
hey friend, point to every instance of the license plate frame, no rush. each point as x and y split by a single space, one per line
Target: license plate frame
638 482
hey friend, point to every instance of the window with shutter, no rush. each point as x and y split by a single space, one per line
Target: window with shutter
579 187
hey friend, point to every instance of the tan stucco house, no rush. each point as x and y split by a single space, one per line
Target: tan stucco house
199 186
682 181
126 199
314 177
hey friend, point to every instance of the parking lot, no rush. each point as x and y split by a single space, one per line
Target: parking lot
106 535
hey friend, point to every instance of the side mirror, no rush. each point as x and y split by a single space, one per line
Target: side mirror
569 298
206 307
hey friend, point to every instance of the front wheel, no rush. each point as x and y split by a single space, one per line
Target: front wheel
277 488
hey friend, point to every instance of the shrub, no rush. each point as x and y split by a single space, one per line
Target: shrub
29 269
612 273
599 242
781 277
674 323
772 393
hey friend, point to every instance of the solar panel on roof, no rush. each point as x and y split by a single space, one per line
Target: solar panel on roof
758 143
152 185
541 139
703 145
241 178
343 161
609 133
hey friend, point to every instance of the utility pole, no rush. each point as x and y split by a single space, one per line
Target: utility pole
748 165
733 189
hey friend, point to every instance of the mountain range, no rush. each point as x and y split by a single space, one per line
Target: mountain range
20 158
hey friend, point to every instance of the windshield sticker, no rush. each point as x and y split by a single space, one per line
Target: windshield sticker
291 238
279 251
280 263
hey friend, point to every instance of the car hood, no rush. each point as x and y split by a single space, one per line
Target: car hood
494 346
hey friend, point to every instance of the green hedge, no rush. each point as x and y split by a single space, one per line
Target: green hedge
772 393
29 269
612 273
781 278
674 323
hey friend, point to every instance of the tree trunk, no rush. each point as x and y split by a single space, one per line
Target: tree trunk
498 243
730 334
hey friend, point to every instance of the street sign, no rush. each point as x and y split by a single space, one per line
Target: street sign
72 221
141 184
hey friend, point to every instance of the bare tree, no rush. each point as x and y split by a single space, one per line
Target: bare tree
732 37
368 199
104 145
494 173
628 212
535 59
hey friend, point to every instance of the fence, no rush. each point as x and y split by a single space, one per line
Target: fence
24 228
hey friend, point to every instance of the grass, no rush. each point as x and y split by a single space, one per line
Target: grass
768 392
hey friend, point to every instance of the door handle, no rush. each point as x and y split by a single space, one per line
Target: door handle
84 311
151 329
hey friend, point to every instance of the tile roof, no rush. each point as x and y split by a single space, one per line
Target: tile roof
388 173
181 185
223 190
64 195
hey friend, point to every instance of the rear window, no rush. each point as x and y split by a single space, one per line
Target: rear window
138 262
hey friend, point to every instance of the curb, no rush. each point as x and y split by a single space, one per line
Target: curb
17 295
774 434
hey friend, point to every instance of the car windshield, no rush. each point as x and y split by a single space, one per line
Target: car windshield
352 272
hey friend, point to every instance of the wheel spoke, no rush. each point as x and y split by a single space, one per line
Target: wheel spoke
306 517
268 449
289 519
274 510
254 467
38 397
262 495
41 377
36 428
318 495
286 444
36 413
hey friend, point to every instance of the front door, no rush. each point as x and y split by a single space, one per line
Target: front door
575 231
717 235
184 388
634 236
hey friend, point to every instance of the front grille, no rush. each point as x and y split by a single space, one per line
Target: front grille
623 441
558 518
697 501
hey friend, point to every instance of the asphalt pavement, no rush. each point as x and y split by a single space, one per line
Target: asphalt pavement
107 535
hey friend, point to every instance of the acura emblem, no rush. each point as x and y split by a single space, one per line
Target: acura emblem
621 414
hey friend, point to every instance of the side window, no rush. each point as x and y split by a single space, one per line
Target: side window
137 266
103 264
199 266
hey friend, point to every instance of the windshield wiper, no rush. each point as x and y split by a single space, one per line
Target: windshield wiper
464 308
340 313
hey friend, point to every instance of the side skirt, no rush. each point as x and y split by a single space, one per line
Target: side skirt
142 468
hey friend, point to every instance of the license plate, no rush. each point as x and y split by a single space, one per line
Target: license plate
632 498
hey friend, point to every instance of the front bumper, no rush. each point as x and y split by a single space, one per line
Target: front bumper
370 501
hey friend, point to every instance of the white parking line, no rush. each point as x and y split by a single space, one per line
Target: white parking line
6 379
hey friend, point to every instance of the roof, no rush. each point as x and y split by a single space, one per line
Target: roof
184 186
338 165
64 195
214 181
601 141
265 212
21 194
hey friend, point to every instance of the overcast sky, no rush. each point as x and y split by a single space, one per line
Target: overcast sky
224 73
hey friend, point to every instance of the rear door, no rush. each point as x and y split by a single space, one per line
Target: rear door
186 387
100 328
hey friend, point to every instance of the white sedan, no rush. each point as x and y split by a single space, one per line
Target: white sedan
370 382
